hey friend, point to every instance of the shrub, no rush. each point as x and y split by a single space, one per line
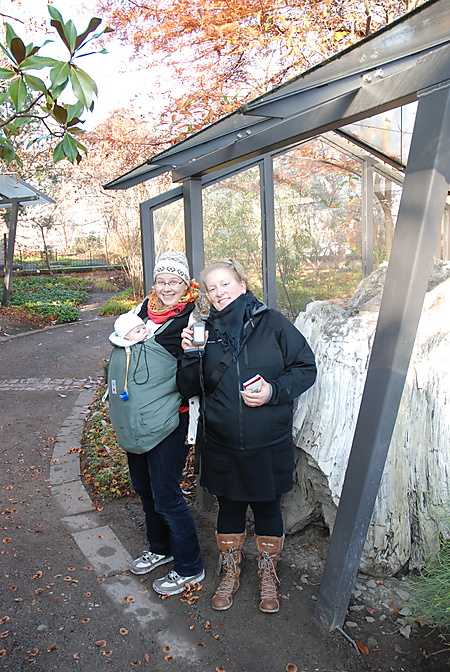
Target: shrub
121 303
53 299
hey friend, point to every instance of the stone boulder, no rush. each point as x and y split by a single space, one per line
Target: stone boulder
409 514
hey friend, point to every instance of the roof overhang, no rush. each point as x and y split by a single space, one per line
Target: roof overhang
390 68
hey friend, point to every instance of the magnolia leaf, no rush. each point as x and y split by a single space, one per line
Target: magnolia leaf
18 49
70 147
5 73
58 153
70 32
18 93
35 83
83 86
3 96
75 111
7 152
93 25
60 114
59 74
59 25
31 50
10 35
54 13
38 62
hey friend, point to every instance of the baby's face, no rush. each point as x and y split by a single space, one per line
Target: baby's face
137 334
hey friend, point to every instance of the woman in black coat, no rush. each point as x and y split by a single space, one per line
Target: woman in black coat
253 366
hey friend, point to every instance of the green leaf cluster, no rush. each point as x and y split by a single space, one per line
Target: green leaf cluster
26 97
52 299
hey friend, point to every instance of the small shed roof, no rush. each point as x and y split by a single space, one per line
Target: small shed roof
14 189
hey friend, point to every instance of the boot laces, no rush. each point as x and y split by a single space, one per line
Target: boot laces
230 569
268 575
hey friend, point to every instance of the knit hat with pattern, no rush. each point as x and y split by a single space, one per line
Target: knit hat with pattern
173 262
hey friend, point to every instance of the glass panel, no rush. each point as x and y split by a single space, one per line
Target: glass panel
387 196
389 132
318 225
232 223
169 228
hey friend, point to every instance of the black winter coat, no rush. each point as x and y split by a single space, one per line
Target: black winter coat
280 354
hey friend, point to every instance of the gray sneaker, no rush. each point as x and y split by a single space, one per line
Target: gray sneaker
173 583
148 561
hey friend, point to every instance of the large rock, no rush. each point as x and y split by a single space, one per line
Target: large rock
414 492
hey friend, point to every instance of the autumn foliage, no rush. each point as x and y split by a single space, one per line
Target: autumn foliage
214 56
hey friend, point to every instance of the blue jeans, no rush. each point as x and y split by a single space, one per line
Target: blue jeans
156 477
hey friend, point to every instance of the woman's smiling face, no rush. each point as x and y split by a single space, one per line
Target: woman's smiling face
169 288
223 287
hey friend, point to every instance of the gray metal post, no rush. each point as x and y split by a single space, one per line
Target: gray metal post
9 257
147 245
367 218
418 227
268 232
193 224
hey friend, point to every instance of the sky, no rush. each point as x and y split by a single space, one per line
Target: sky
117 78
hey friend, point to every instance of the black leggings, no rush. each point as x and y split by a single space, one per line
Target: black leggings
268 519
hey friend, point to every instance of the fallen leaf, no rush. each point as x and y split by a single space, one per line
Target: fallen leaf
136 663
100 642
76 656
123 631
4 619
4 634
3 652
52 647
167 658
166 648
208 625
130 599
85 620
216 636
291 667
200 644
7 540
146 657
362 647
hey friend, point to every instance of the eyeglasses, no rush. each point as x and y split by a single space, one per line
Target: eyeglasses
171 283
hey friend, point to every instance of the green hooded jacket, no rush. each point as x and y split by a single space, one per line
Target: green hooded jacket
150 413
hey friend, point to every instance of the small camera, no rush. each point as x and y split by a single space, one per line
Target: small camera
198 333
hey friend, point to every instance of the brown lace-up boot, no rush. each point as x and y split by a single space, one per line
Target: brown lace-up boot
230 547
269 552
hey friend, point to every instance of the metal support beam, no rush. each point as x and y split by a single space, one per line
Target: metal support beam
418 227
7 286
193 225
147 245
367 218
268 232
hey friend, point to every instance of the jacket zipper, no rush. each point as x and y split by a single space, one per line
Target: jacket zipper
241 411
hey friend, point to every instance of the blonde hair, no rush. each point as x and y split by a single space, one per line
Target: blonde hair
230 264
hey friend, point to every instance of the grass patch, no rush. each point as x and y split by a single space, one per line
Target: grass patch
104 285
51 299
431 590
121 303
104 463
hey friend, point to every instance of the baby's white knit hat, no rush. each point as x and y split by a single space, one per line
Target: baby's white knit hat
173 262
122 326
